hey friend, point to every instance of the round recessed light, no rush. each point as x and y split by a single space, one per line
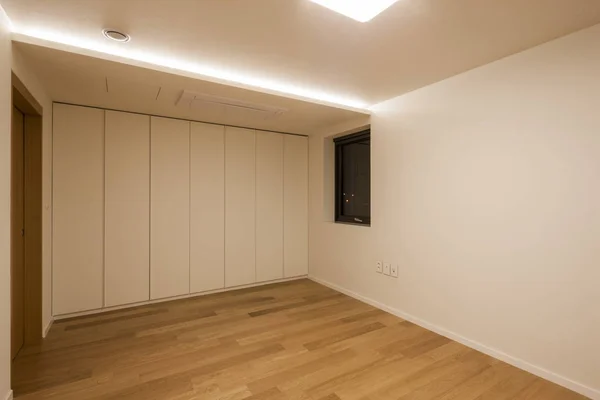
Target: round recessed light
116 35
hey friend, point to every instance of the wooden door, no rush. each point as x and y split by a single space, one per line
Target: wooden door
17 232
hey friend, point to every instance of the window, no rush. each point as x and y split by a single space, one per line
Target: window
353 178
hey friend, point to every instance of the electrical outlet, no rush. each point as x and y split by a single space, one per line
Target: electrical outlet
379 267
386 268
394 270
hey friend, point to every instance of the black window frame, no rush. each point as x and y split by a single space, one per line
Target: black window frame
339 143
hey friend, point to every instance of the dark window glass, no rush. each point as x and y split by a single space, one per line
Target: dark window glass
353 178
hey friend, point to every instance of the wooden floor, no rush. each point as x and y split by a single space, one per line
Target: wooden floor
296 340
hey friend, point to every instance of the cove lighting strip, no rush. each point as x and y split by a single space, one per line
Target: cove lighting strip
359 10
199 71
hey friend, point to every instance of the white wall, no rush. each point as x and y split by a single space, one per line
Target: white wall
486 193
5 116
28 78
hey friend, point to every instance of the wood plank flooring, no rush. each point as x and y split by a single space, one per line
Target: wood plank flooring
296 340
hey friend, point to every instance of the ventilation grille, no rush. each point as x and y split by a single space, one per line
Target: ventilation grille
192 99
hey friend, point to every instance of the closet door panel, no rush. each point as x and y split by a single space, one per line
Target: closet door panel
269 206
295 206
169 207
78 209
207 218
127 237
239 207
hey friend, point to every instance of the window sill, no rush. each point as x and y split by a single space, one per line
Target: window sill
352 224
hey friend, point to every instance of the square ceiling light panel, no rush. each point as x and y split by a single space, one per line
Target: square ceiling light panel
360 10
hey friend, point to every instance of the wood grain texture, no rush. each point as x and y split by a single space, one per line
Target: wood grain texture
33 229
293 340
17 222
23 99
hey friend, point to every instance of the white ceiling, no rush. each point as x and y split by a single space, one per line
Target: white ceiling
78 79
300 44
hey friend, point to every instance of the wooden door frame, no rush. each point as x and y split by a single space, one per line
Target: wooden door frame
24 101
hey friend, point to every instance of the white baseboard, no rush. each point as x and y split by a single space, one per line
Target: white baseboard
47 328
186 296
514 361
9 395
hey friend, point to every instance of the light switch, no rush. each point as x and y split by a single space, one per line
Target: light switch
386 268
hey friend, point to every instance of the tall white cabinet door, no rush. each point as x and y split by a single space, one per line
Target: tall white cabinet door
127 210
207 217
239 207
78 211
169 207
269 206
295 206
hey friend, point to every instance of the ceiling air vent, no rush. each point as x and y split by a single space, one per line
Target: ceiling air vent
193 99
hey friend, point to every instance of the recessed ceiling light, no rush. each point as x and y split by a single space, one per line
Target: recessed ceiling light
360 10
116 35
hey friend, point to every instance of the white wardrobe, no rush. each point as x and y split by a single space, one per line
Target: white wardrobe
149 208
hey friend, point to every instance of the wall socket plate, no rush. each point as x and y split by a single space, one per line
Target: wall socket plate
386 268
394 270
379 267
